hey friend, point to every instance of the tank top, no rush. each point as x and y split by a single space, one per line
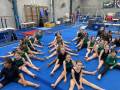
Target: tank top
92 43
77 76
62 57
69 65
111 60
105 54
85 41
100 48
18 63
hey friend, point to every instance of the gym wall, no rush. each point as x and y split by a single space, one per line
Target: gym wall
90 6
21 3
6 10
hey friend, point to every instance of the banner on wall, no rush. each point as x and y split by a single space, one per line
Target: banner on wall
111 4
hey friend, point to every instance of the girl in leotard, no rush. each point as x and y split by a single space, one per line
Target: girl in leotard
78 80
60 59
90 46
103 55
67 66
98 48
83 42
19 62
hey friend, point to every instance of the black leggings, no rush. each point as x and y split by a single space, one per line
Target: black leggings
107 67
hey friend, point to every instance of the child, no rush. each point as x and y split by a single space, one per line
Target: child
10 73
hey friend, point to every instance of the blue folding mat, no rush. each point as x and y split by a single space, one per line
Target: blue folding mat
111 81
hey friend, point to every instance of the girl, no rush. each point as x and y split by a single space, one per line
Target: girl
90 46
11 73
77 77
31 54
34 41
19 62
57 50
38 36
103 55
80 35
61 57
58 38
110 63
83 43
67 66
98 48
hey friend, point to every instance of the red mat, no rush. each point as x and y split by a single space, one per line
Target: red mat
30 33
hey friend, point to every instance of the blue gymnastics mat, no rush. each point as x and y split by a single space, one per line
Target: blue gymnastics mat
111 81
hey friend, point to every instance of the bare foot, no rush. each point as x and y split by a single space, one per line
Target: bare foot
48 65
53 85
85 57
38 69
52 73
34 76
37 86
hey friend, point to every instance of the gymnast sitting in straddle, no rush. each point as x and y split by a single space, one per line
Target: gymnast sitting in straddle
58 40
103 55
58 52
30 53
57 47
20 62
38 35
59 61
90 46
97 49
83 42
34 41
26 41
78 79
25 52
10 73
80 35
109 63
67 66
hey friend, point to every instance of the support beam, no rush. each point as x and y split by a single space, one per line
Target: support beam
52 4
53 9
15 11
70 13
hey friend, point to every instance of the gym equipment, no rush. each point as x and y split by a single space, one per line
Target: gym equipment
30 33
7 34
5 21
36 13
93 25
27 24
2 23
49 25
